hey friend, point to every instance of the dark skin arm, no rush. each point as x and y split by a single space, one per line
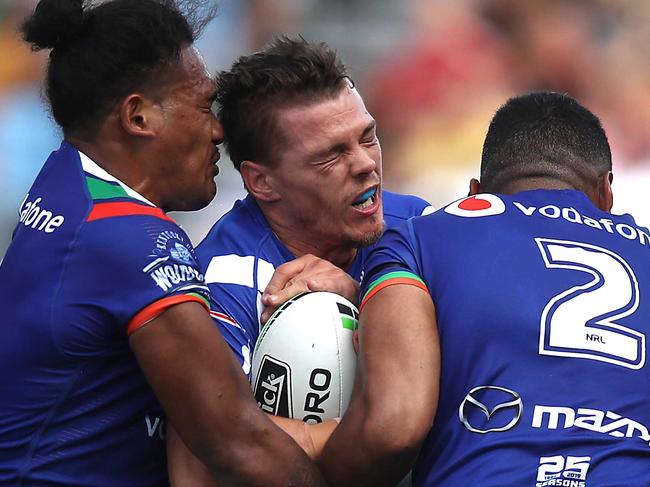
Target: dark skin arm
395 393
185 470
208 400
306 273
311 437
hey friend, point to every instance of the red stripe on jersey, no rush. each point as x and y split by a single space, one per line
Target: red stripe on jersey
390 282
109 210
224 317
148 313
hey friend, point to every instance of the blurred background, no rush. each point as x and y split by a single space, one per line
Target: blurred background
432 73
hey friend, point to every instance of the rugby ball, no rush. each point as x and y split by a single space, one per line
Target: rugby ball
304 362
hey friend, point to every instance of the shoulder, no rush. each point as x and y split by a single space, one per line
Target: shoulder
241 249
399 207
143 256
130 234
242 239
239 231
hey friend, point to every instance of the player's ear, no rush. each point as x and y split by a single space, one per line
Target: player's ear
605 194
474 187
259 181
139 115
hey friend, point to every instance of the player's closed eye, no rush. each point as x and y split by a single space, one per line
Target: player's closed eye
370 140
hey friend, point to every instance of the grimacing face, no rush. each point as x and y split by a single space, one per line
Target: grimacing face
328 167
191 132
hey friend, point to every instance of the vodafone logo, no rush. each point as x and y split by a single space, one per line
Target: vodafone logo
476 206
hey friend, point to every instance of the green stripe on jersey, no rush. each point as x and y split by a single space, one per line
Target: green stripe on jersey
103 190
393 275
200 296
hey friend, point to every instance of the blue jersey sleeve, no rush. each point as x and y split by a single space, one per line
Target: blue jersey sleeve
231 307
235 282
392 261
123 271
239 256
399 207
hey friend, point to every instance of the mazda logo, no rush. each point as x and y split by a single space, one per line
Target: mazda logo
487 409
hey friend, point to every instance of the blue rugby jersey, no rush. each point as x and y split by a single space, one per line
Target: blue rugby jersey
90 262
240 254
543 307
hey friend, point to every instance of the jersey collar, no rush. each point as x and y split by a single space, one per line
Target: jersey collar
92 168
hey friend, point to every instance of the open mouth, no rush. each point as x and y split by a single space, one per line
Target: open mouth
366 199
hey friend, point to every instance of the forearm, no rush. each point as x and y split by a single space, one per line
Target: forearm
395 393
254 458
310 437
210 403
185 470
363 452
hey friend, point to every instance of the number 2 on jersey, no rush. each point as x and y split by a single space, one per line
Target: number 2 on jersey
581 322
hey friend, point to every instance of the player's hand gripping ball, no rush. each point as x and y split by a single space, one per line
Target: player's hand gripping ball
304 361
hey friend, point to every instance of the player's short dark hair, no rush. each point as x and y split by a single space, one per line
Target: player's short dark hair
102 53
544 135
287 72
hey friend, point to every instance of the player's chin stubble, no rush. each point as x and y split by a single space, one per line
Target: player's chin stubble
372 237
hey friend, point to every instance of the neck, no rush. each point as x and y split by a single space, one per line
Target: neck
301 241
599 196
533 183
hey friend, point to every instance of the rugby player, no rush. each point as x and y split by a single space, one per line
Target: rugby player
503 338
105 305
307 149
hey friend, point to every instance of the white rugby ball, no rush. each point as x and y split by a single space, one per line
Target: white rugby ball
304 362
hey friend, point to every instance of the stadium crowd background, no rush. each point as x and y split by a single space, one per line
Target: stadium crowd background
432 72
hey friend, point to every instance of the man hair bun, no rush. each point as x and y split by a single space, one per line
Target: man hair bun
54 23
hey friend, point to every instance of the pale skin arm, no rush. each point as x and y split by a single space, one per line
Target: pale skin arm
395 394
209 401
306 273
